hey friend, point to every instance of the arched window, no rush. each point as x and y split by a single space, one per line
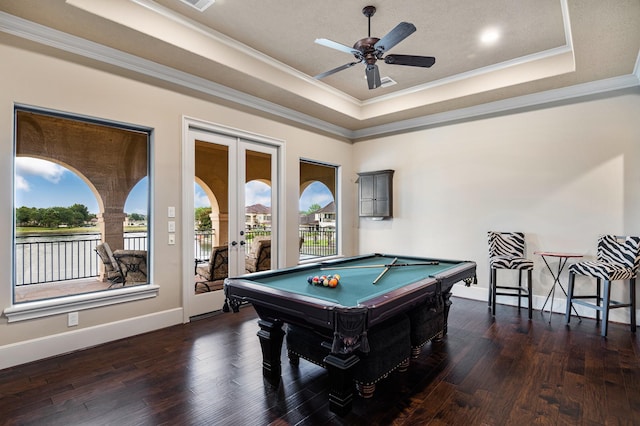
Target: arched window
318 220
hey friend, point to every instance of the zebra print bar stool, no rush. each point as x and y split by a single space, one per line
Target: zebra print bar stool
506 251
618 258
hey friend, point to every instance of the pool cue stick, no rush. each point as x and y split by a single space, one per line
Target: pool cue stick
389 265
386 269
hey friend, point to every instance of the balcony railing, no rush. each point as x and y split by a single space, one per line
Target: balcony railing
51 258
203 245
318 243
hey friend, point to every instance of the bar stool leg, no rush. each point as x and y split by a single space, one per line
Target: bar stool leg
572 279
493 292
490 287
605 307
598 298
530 296
632 295
519 289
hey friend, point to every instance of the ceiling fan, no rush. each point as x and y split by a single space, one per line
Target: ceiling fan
370 49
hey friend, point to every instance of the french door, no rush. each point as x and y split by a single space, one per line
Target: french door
228 168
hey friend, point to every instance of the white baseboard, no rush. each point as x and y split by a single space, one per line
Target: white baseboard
58 344
559 303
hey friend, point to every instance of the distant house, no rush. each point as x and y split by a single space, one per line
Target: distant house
322 218
257 216
129 221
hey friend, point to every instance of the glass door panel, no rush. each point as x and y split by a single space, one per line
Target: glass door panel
258 203
213 165
231 175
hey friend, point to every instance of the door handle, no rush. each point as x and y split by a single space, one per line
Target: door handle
234 243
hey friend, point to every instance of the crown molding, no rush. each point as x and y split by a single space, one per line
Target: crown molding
534 100
47 36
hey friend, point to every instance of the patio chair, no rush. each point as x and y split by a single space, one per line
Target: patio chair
112 271
213 272
259 257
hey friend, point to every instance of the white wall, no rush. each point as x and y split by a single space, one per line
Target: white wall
562 175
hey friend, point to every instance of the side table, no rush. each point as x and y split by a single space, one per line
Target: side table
562 261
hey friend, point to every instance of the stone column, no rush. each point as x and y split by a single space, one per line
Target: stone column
110 223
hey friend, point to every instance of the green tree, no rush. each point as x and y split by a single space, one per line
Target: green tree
81 211
26 216
136 216
314 207
52 217
203 218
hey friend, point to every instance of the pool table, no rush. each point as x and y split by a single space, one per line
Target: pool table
345 312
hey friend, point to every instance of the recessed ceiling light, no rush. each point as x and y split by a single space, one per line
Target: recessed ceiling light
490 36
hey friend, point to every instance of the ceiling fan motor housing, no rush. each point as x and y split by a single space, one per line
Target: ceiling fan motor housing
366 47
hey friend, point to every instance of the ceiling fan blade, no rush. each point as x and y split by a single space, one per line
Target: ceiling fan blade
395 36
335 45
411 60
335 70
373 76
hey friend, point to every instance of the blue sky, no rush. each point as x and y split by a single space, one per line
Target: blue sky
41 184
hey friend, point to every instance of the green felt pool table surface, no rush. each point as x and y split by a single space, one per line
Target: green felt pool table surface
356 284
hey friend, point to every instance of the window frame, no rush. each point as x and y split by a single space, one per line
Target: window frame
71 303
337 191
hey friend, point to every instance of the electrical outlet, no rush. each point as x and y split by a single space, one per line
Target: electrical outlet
72 319
172 239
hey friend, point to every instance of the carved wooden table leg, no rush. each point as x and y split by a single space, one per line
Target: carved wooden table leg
341 382
447 305
271 336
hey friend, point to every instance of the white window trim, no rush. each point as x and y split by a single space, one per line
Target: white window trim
62 305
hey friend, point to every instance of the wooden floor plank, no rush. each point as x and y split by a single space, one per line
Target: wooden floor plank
502 370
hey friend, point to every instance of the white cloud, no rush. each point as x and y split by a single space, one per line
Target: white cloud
200 198
316 193
37 167
22 184
256 192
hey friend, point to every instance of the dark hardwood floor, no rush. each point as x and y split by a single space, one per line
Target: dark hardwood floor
506 371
